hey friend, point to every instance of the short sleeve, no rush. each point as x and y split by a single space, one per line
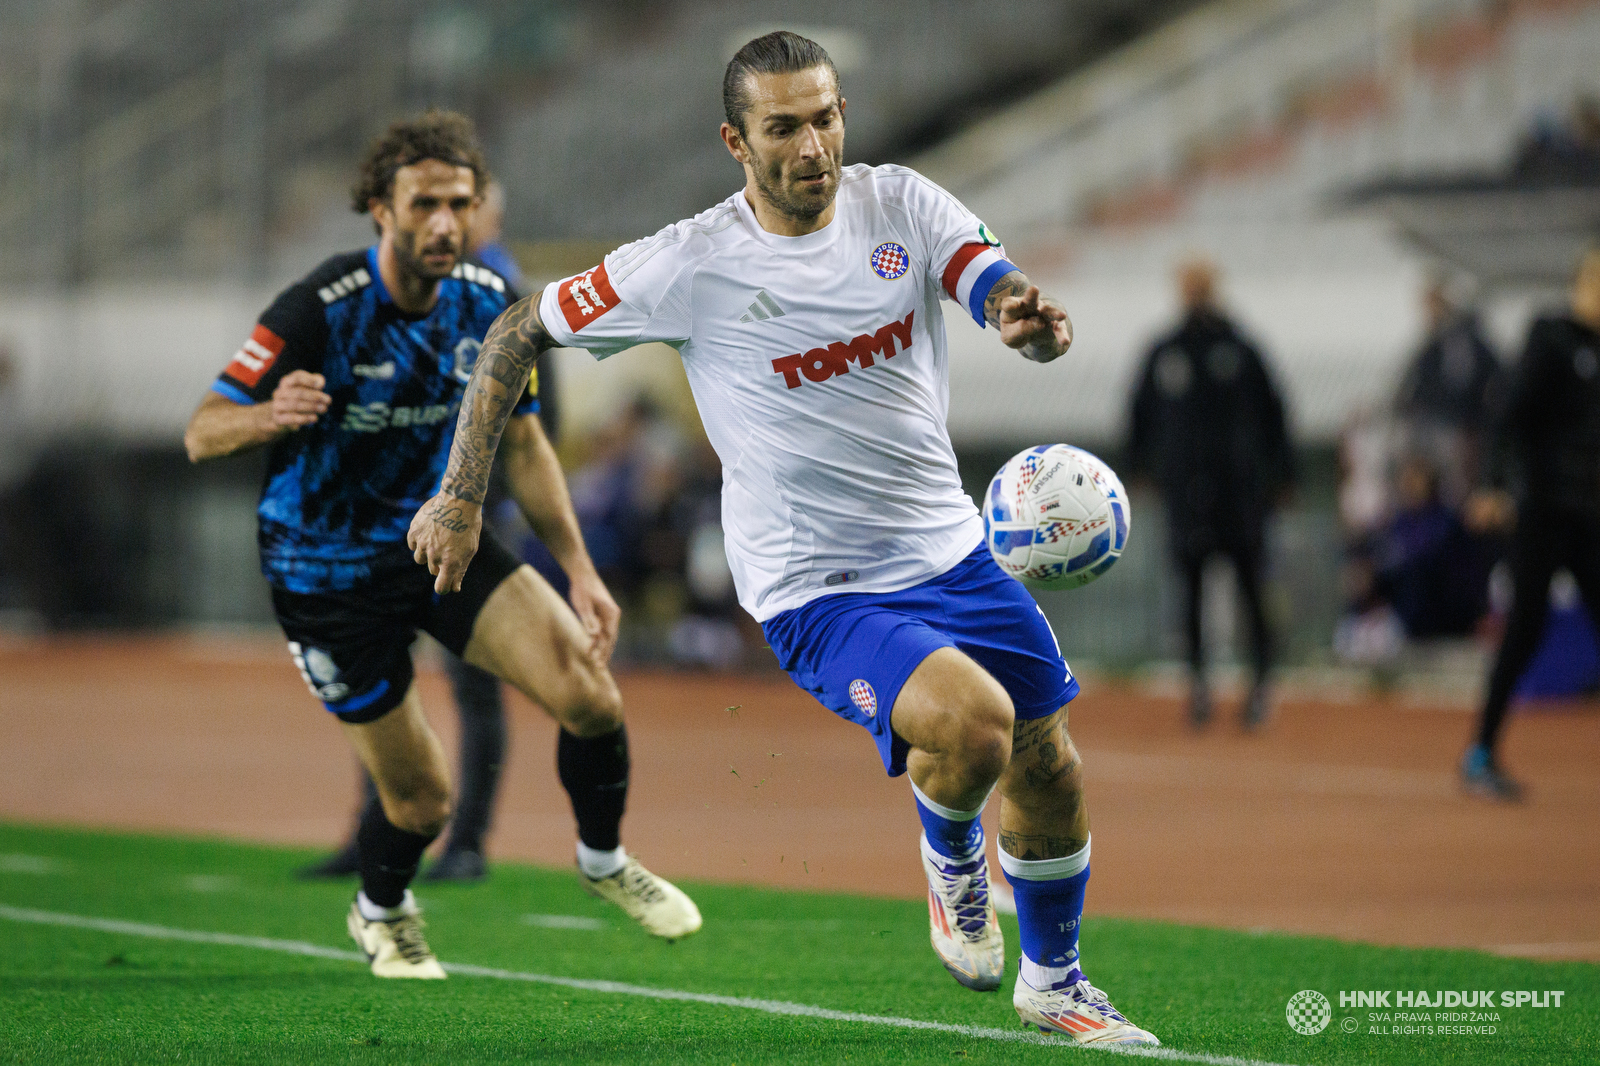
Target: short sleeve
962 252
290 335
631 298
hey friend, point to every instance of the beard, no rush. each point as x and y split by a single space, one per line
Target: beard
412 262
786 196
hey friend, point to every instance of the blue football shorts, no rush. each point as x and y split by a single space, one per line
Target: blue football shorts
854 650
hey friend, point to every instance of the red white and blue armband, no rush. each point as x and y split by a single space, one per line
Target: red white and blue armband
972 273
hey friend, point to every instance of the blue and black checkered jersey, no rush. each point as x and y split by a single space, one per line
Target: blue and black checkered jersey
340 494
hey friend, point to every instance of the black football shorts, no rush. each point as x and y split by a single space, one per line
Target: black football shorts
353 647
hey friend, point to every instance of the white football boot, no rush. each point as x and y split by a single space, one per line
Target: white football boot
1080 1011
962 923
654 902
395 947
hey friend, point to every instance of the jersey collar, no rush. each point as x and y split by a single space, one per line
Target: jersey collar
809 242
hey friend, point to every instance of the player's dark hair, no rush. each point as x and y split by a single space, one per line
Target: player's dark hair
781 52
447 136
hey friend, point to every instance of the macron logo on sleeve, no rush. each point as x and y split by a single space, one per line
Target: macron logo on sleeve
586 297
260 351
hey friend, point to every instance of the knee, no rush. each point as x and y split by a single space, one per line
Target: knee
593 706
983 739
424 810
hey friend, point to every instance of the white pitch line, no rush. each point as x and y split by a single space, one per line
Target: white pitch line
617 988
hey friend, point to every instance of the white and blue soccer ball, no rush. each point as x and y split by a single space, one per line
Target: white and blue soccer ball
1056 517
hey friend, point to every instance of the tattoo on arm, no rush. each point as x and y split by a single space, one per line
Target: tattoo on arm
1013 284
1040 350
498 380
448 517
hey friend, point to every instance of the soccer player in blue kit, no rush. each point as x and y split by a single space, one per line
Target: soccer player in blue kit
806 310
352 378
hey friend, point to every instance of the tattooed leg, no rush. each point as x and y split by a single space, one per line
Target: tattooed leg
1044 851
1042 814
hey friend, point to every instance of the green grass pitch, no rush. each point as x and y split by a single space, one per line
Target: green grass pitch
96 993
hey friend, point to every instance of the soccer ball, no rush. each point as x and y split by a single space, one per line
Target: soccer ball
1055 517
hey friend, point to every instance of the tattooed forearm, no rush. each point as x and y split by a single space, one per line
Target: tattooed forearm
1030 846
1013 284
498 380
450 518
1043 311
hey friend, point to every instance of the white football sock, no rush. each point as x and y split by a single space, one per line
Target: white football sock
596 864
374 913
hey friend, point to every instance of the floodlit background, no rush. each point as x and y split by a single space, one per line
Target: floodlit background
166 167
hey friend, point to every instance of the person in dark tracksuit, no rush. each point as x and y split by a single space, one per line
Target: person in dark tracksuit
1208 427
1551 429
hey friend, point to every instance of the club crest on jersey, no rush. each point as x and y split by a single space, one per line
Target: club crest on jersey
890 260
862 696
465 357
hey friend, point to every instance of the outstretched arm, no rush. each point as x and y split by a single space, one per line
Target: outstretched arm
1034 324
444 533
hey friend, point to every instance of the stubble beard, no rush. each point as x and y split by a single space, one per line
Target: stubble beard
405 253
800 208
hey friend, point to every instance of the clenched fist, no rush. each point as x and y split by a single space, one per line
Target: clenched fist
298 400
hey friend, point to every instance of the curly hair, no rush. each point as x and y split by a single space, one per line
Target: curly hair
447 136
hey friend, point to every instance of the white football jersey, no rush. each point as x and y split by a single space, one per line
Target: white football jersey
820 370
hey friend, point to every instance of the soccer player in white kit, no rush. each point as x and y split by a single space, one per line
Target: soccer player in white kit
806 309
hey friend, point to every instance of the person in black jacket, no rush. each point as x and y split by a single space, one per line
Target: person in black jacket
1208 426
1452 391
1551 429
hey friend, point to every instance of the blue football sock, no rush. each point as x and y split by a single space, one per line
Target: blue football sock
1049 894
953 834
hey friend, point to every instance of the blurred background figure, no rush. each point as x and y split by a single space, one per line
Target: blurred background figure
708 633
1551 433
649 499
15 460
1447 402
1414 570
1563 148
479 700
488 246
1208 427
619 493
1428 568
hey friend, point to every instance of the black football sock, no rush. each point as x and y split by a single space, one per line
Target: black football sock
594 771
389 856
